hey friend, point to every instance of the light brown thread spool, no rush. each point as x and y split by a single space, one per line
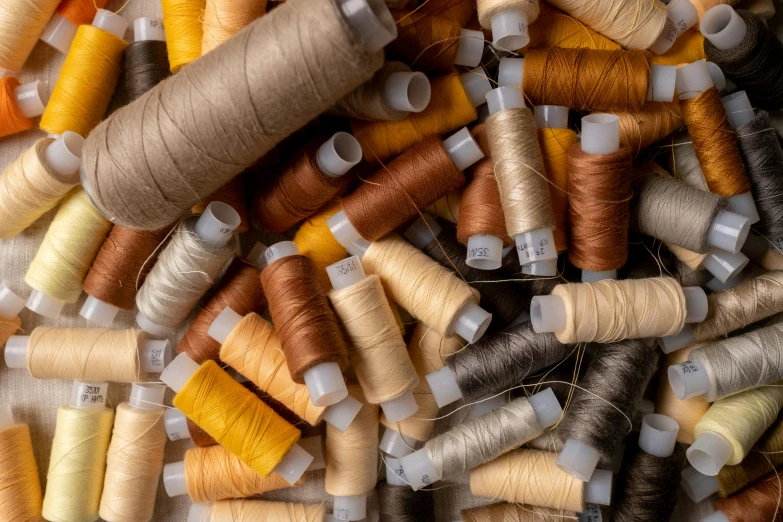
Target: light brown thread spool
325 59
653 122
426 42
234 194
758 502
240 510
528 477
214 473
20 488
447 207
368 101
688 412
225 18
554 145
503 512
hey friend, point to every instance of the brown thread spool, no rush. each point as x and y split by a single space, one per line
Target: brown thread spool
233 194
653 122
200 437
757 503
460 10
308 181
426 42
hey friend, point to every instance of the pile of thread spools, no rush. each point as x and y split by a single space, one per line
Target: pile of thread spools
533 248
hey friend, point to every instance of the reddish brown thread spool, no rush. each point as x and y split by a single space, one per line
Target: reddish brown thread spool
426 42
756 503
300 310
460 10
233 194
240 289
599 199
402 189
122 264
298 192
480 211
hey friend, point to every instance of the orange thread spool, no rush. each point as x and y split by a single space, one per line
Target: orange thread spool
11 118
640 129
233 194
426 42
554 150
759 502
80 12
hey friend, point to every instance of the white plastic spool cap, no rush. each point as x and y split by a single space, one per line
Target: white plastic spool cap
675 342
723 27
505 97
444 386
658 435
590 276
396 444
471 322
470 48
551 116
423 231
10 303
372 20
463 149
338 155
663 79
256 256
326 384
358 248
698 486
476 85
6 417
224 324
59 33
150 326
681 16
176 424
110 22
45 305
709 453
31 99
342 229
511 71
407 91
294 464
419 470
178 372
600 133
744 205
146 29
509 30
541 268
350 508
154 355
174 479
716 516
738 109
729 231
315 447
280 250
547 408
693 79
89 395
547 313
217 224
64 154
16 351
688 379
200 513
579 460
714 284
147 396
599 489
98 312
346 272
400 408
666 38
342 414
395 474
536 246
724 265
696 305
718 78
484 252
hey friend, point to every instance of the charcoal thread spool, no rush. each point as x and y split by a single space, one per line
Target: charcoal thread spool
20 105
405 187
398 503
315 175
146 59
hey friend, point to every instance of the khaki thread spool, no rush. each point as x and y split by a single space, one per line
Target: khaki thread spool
21 23
306 324
685 412
69 16
482 439
91 354
20 488
588 79
452 105
404 187
146 61
20 105
78 459
375 345
508 21
504 512
63 259
653 122
88 77
730 428
236 418
519 169
182 20
251 121
10 307
240 510
352 461
713 139
415 282
186 268
531 477
135 457
223 19
34 184
315 175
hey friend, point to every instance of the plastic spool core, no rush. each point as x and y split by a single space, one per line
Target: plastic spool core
407 91
58 34
463 149
218 223
709 453
65 154
476 85
724 265
146 29
693 80
174 480
31 98
738 109
510 30
723 27
658 435
372 20
698 486
470 48
110 22
443 384
688 379
338 155
578 459
10 303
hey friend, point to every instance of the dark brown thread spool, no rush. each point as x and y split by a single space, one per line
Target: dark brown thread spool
233 194
146 65
427 43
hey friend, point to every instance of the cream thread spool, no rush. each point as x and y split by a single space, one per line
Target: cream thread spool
21 23
20 487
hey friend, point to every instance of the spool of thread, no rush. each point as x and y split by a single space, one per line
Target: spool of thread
352 460
653 122
447 207
223 19
89 354
650 476
498 362
685 412
599 412
179 427
405 187
401 504
64 256
390 95
306 324
239 510
759 502
10 307
122 264
531 477
508 21
375 345
572 77
183 22
135 457
213 473
504 512
20 105
251 122
188 266
69 16
730 428
236 418
234 194
78 458
34 183
481 439
146 59
315 175
20 488
435 43
555 28
460 10
416 282
746 50
317 242
88 77
452 105
21 23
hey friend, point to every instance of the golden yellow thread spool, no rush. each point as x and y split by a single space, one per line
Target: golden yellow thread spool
184 30
20 489
317 242
554 145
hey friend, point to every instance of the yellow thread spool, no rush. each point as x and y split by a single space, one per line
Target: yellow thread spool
317 242
184 30
554 145
20 489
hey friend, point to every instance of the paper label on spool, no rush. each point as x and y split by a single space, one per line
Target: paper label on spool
592 513
396 467
689 367
90 395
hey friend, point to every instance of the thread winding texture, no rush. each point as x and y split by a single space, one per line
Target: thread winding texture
236 418
758 503
133 464
427 43
146 65
766 457
77 464
417 283
317 242
80 11
21 23
402 504
554 145
306 324
214 473
249 510
487 9
503 512
653 122
11 118
600 410
20 488
182 21
685 412
225 18
30 187
199 437
555 28
69 246
164 152
447 207
368 101
187 267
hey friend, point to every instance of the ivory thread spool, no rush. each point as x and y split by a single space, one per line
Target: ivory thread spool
508 21
69 16
238 510
10 307
20 105
20 488
222 20
20 25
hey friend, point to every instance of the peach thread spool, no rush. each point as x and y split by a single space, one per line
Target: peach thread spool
21 23
20 105
20 488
